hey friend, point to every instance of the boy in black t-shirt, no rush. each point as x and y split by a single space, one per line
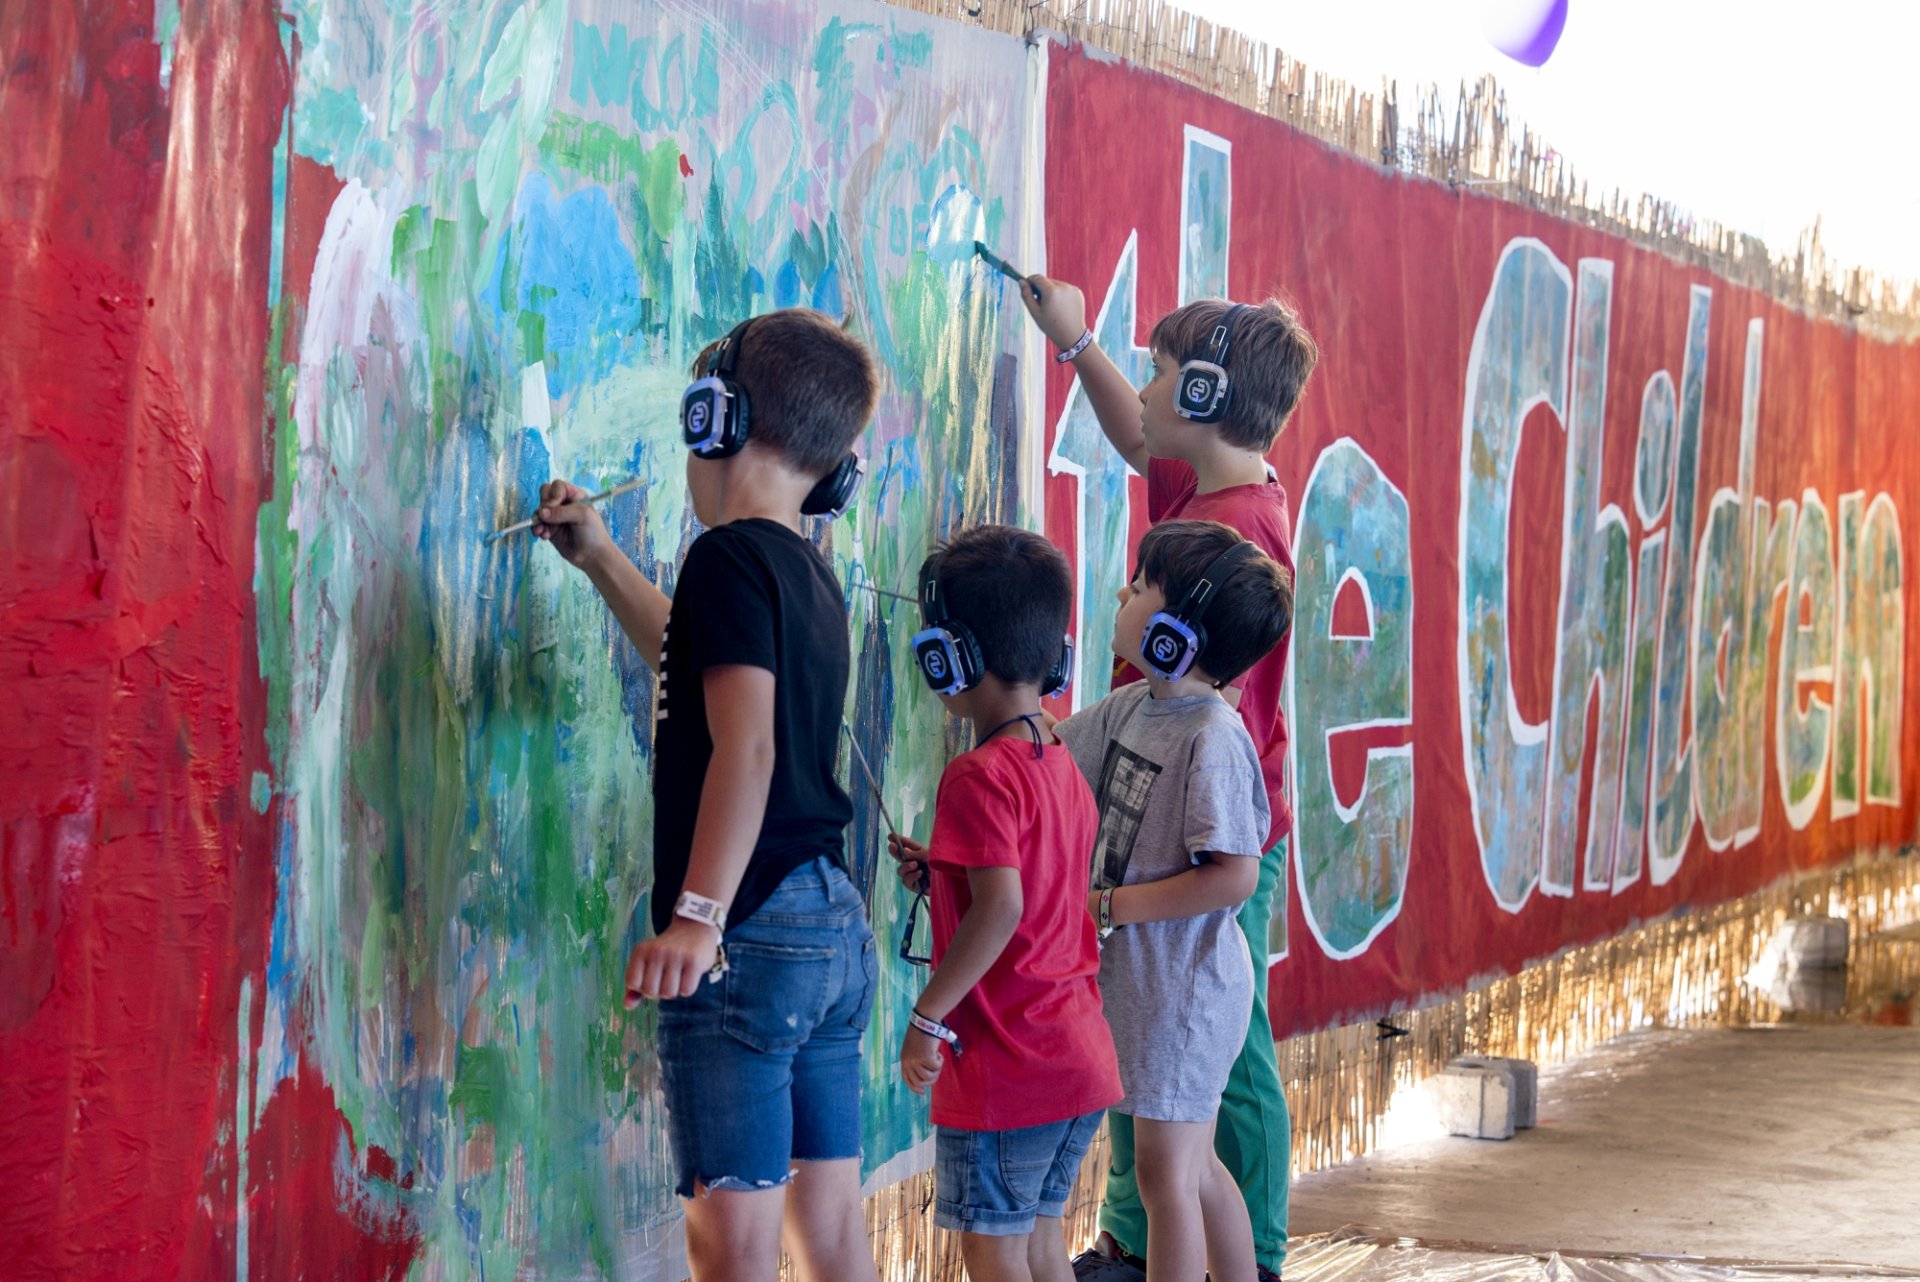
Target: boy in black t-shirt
761 1066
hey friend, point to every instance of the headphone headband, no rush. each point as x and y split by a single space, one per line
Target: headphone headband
727 354
1218 572
1221 341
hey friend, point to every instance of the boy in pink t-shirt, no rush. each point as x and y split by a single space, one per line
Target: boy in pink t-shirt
1009 1032
1226 377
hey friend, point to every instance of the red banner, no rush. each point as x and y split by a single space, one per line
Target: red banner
1602 599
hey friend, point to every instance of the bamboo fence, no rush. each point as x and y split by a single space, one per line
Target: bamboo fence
1463 137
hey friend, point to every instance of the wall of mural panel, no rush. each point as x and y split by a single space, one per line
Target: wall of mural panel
325 822
1602 605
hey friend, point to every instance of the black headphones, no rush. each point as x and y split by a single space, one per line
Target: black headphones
1175 639
948 653
1203 389
715 415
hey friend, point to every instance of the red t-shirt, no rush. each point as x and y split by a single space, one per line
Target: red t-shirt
1259 513
1035 1046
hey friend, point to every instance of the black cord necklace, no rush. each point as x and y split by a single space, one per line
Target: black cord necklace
1033 726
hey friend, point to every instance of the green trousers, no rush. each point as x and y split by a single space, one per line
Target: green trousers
1253 1135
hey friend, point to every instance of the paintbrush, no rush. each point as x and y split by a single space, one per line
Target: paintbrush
889 592
1004 267
625 487
874 784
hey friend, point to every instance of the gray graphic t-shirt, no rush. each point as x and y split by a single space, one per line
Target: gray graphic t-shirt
1173 778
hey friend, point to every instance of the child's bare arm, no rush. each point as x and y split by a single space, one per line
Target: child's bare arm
733 805
1060 310
1223 881
977 943
578 534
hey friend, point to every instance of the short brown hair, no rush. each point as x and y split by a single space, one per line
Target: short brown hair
811 386
1013 590
1267 368
1249 614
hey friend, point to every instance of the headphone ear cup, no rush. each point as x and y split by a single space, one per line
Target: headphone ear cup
1200 392
833 493
1060 676
973 665
713 417
1170 646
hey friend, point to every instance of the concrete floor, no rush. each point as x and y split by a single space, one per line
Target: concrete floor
1792 1142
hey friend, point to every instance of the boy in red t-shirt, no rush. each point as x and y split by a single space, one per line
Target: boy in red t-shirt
1009 1032
1226 377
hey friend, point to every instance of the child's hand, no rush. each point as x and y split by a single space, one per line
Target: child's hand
672 963
912 860
575 530
1060 310
920 1061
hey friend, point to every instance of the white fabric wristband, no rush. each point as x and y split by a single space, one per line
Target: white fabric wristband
934 1028
1080 345
699 908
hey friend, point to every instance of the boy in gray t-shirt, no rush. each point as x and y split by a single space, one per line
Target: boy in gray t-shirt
1183 819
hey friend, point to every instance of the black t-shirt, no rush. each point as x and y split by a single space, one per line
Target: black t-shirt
756 593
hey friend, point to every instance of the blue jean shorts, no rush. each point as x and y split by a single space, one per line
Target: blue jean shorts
997 1182
762 1067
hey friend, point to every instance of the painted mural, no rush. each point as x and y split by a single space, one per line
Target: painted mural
325 822
1602 602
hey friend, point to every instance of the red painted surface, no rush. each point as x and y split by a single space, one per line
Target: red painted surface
312 1215
1390 274
136 880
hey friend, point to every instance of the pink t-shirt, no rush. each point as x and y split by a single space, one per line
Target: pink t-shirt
1034 1042
1259 513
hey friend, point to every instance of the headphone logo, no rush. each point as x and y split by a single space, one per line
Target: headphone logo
697 418
936 665
1165 650
1199 389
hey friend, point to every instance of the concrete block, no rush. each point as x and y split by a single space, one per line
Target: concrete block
1475 1102
1813 990
1524 1077
1812 943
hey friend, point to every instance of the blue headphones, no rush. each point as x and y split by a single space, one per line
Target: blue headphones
715 414
1176 638
1203 389
948 653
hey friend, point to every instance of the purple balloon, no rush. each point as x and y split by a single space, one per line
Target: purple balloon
1527 32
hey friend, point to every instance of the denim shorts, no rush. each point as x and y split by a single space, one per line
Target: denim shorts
762 1067
997 1182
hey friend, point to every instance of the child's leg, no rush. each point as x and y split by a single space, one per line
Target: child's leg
1223 1212
1047 1259
733 1233
1121 1214
761 1079
1170 1163
996 1259
825 1228
826 1225
1000 1190
1253 1132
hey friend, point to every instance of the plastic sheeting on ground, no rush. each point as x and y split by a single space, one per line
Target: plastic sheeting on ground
1365 1255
